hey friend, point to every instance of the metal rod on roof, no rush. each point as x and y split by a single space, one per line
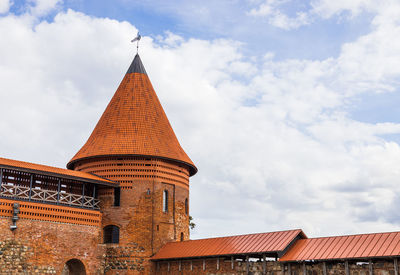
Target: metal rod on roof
396 266
137 39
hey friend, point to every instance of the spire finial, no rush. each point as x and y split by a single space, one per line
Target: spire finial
137 39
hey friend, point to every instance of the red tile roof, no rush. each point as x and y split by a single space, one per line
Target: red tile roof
243 244
345 247
54 171
134 123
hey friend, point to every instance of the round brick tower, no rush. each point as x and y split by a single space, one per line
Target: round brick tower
134 145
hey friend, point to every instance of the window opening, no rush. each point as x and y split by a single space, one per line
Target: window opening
186 207
117 196
111 234
165 201
182 237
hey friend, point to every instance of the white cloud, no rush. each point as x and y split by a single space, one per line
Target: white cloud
273 141
43 7
271 10
4 6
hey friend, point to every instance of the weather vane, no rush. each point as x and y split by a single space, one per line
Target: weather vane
137 39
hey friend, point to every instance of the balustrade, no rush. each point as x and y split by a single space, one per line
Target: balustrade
49 196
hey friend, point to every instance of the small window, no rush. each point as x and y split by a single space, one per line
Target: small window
182 237
165 201
186 207
111 234
117 196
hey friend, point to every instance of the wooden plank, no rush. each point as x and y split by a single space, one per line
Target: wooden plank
169 266
191 265
289 269
264 265
58 191
30 187
304 269
204 264
217 263
180 265
346 267
1 176
232 263
371 268
396 266
247 265
324 268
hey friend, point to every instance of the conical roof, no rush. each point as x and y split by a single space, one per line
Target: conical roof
134 124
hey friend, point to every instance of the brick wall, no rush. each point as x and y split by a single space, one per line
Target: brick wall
143 225
223 266
42 247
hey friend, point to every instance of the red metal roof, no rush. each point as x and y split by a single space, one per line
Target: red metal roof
242 244
345 247
44 169
134 123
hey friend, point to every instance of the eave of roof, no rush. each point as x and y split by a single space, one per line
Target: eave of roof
361 246
54 171
249 244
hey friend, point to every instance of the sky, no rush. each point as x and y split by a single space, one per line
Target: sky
289 108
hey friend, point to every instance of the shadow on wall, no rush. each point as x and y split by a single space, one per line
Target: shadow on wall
74 267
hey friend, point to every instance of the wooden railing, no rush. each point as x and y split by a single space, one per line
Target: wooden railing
50 196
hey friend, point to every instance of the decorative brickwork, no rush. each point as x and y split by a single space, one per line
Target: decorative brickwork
47 212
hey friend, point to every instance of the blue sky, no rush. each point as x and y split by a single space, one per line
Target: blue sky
289 107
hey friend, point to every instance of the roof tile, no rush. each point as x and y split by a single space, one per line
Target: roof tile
134 123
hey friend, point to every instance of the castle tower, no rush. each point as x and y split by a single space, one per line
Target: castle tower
134 145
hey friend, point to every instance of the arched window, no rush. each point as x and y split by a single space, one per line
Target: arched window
111 234
182 237
186 207
165 201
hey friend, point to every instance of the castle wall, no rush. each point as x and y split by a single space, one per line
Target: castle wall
213 266
143 225
43 247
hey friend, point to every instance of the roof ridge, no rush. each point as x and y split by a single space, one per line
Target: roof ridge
278 231
359 234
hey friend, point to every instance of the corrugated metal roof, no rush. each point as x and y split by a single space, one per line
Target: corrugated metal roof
345 247
44 169
242 244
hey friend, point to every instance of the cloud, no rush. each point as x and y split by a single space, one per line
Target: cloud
271 10
276 11
274 140
43 7
4 6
